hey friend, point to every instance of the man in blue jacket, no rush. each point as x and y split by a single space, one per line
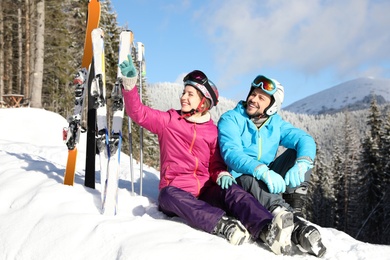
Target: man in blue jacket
250 136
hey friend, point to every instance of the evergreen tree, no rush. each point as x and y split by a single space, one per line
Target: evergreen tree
320 202
339 180
385 185
109 24
370 189
57 95
351 156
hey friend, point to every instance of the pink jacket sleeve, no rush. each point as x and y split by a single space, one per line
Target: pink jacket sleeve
147 117
217 165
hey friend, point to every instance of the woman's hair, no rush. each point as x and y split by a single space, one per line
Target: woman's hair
206 103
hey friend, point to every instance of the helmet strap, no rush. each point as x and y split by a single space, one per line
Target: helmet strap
193 111
187 114
269 106
199 108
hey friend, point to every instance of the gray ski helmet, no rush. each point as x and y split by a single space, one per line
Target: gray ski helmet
276 98
199 80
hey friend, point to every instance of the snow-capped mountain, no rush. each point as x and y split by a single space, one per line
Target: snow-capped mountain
351 95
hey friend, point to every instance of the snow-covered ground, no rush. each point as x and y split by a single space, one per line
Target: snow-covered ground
40 218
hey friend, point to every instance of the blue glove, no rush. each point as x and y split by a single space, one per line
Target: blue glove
127 67
296 175
225 181
274 181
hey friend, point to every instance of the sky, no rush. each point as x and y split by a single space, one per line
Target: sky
41 218
307 45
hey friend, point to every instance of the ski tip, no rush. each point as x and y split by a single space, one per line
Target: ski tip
70 167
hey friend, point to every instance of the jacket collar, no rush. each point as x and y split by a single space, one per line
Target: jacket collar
199 120
240 108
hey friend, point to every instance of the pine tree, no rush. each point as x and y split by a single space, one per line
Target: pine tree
385 185
320 203
58 73
109 24
350 156
339 180
370 190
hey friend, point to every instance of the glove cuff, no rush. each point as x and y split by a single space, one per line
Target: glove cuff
261 168
305 158
129 83
221 174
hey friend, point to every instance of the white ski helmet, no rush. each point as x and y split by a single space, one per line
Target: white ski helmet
275 90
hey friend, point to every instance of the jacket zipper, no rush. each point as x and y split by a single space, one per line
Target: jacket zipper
196 159
260 146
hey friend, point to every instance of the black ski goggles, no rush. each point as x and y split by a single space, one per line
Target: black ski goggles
199 77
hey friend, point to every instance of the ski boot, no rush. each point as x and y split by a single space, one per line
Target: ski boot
277 235
232 230
296 200
307 238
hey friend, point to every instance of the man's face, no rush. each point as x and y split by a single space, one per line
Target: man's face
257 101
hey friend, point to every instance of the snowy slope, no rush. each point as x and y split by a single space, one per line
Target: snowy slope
353 94
40 218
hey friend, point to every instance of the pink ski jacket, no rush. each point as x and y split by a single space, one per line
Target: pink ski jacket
189 152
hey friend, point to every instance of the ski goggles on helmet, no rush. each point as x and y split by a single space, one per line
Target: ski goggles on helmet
199 77
267 85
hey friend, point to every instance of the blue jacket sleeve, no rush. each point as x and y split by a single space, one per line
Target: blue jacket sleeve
295 138
237 159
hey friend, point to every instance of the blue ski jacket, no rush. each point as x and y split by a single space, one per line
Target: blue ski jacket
244 146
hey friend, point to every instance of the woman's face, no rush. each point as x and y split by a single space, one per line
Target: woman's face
190 99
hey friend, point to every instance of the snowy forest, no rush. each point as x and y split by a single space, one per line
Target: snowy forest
41 48
350 185
41 51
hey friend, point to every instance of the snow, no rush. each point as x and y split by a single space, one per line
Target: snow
40 218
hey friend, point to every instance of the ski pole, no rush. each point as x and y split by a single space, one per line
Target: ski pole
140 48
131 157
131 147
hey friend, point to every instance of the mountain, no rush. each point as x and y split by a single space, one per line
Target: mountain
351 95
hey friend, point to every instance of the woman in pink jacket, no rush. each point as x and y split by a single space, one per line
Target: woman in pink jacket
194 183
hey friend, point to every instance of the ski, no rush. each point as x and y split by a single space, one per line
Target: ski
71 134
90 159
110 188
98 91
